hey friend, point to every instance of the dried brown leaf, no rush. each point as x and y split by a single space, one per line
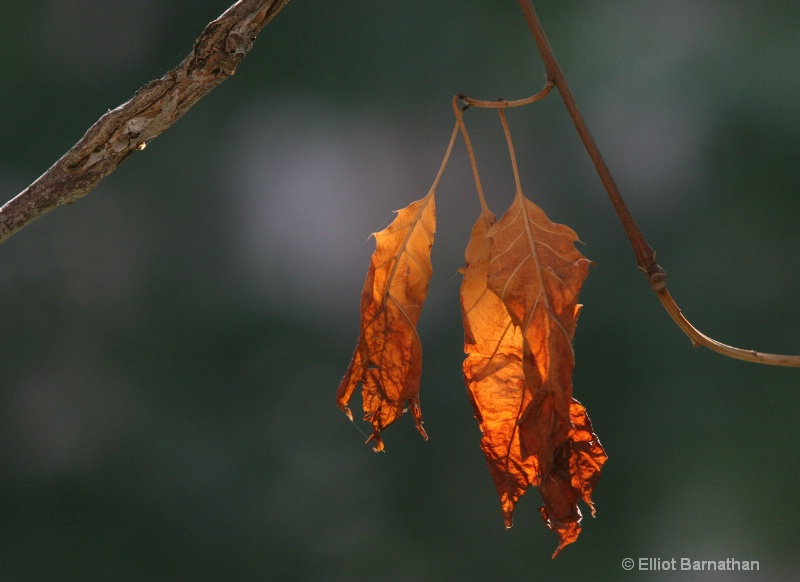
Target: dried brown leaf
388 357
493 373
519 300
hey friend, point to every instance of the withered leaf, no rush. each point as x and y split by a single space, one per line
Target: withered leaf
388 357
493 372
519 302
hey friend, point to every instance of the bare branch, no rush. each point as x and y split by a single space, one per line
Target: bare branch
645 256
152 110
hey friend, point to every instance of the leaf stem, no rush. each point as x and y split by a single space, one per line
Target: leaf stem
645 256
446 158
500 104
424 203
511 152
459 113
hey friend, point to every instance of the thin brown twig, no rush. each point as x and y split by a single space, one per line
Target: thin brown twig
500 104
459 113
645 256
503 103
152 110
511 152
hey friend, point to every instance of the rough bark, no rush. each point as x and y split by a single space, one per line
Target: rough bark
152 110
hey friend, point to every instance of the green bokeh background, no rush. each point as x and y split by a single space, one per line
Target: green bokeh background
170 345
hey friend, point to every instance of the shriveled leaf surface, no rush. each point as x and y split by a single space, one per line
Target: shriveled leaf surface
577 463
493 372
388 357
519 363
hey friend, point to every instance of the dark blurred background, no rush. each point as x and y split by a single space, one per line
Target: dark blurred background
170 346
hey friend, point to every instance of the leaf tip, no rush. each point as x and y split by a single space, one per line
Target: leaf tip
378 448
347 411
508 512
416 411
567 531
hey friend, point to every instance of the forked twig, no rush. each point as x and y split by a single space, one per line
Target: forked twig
645 256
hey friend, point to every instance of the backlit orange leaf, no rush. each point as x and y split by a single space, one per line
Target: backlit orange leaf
519 303
493 372
388 357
